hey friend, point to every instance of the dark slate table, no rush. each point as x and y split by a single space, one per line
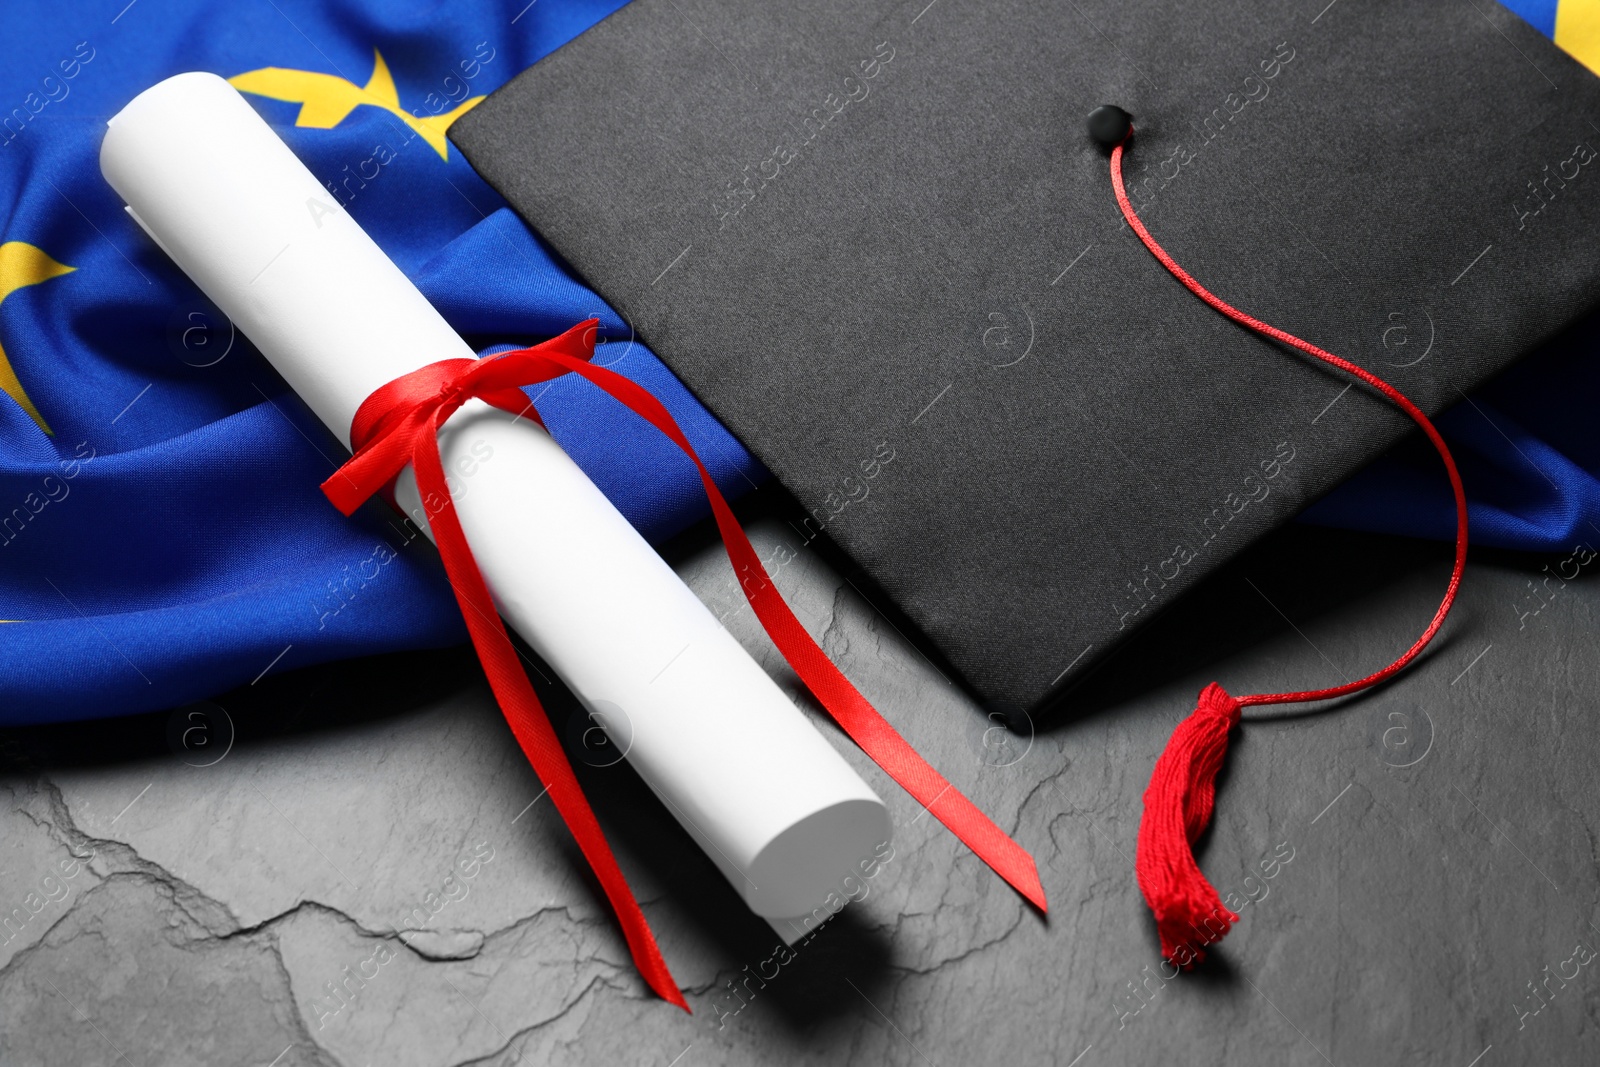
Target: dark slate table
223 884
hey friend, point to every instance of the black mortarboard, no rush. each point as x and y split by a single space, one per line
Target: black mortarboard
879 243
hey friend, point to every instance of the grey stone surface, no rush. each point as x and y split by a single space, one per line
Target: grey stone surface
341 866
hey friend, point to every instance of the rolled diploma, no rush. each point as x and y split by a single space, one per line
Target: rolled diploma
779 811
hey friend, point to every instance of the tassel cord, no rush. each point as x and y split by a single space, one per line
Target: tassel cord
1179 801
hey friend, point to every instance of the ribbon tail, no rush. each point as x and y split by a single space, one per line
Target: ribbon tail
852 711
961 816
528 366
1177 810
527 719
867 727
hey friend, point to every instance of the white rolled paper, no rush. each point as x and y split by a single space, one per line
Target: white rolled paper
779 811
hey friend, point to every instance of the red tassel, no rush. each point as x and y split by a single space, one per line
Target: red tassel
1177 806
1177 810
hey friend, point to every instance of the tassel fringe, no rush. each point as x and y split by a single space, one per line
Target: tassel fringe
1177 809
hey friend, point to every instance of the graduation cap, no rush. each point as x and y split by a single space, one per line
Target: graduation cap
882 247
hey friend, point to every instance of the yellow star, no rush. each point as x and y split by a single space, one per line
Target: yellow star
22 264
326 100
1578 31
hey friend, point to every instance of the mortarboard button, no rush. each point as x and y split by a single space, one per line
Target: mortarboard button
1109 124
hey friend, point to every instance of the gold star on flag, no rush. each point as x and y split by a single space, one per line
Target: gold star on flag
21 264
326 100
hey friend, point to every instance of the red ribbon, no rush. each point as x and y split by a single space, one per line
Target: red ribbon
1178 803
399 425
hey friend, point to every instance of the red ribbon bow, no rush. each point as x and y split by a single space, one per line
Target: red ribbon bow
399 424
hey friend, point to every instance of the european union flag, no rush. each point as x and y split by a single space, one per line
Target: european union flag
162 535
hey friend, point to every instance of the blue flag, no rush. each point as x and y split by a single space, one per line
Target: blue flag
162 536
